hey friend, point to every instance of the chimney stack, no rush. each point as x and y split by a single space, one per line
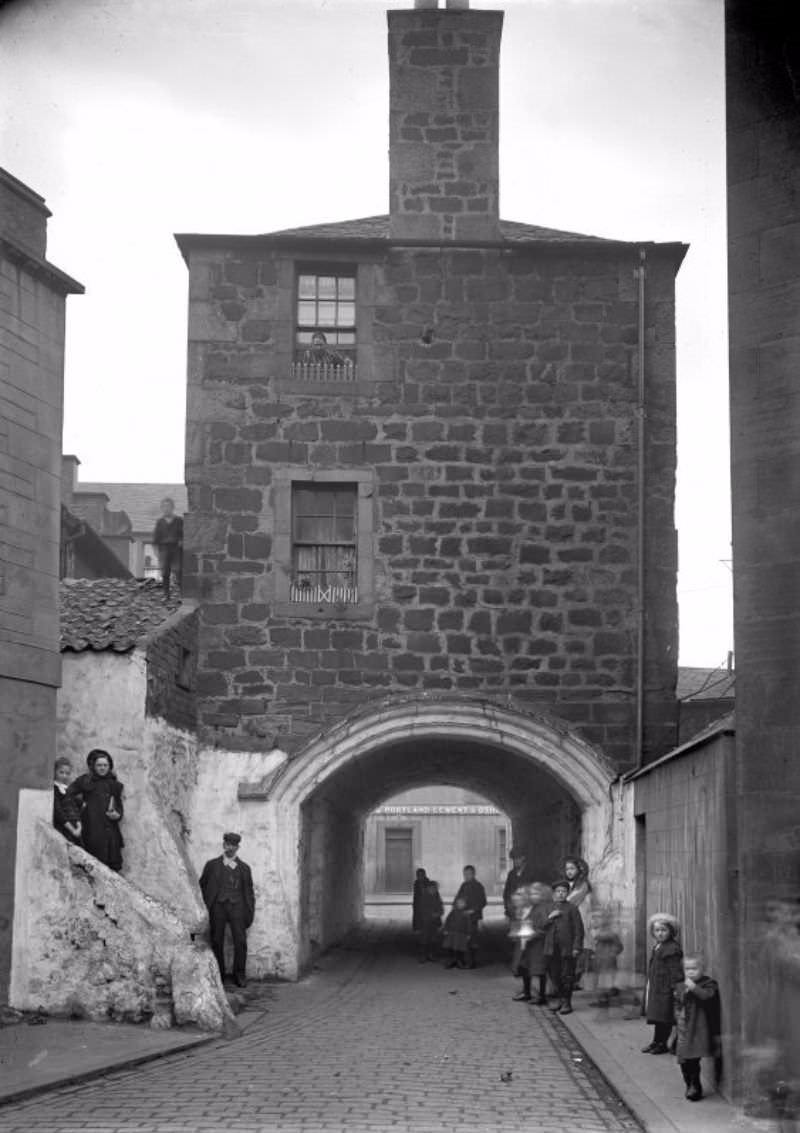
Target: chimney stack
69 478
444 68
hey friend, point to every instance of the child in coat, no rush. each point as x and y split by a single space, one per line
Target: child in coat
531 907
430 919
563 945
65 812
664 971
698 1016
457 933
606 948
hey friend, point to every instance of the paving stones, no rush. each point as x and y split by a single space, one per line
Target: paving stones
372 1042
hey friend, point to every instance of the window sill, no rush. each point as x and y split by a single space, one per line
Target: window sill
361 611
360 388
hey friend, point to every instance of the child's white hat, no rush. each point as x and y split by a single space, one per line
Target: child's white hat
665 918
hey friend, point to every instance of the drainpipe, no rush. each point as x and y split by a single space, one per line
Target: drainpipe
640 579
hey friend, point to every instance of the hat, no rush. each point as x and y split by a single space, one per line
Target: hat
234 839
665 918
98 753
517 852
560 883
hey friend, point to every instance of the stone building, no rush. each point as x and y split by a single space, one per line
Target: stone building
436 545
33 297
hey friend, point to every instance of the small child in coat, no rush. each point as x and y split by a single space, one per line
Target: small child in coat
457 931
606 948
698 1016
664 971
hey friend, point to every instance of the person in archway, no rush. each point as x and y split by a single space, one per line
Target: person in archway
430 915
420 881
474 896
227 887
520 875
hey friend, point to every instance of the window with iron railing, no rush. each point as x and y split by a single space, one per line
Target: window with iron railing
325 341
324 544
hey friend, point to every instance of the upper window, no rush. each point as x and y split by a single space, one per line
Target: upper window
324 543
326 318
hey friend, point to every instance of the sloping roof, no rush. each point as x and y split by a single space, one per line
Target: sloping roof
705 684
142 502
89 547
722 726
111 613
375 230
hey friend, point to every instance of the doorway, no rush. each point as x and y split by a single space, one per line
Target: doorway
399 858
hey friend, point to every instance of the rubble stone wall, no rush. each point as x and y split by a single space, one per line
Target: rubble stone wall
493 426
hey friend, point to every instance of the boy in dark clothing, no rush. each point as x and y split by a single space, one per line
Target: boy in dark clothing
474 897
563 945
698 1018
168 542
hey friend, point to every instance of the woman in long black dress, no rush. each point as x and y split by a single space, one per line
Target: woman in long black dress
98 792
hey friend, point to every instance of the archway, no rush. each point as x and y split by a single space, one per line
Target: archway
555 788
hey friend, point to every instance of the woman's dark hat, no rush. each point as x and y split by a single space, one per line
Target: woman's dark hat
98 753
233 839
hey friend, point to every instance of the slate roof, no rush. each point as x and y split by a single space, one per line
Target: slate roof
375 230
705 684
111 613
142 502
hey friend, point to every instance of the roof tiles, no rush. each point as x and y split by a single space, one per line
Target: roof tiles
111 613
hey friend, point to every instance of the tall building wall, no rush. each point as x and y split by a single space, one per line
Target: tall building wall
763 133
32 307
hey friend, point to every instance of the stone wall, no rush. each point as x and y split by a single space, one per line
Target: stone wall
32 308
763 134
89 944
172 672
444 124
101 704
493 436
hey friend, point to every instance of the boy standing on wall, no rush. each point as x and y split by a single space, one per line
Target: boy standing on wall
168 542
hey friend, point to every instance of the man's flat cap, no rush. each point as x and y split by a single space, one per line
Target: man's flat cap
234 839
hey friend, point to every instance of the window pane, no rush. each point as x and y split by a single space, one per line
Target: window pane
314 529
345 501
307 286
326 287
306 313
347 314
304 337
327 314
347 287
344 530
345 338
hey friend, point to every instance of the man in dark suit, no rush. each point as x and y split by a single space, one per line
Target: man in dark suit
227 887
474 896
520 875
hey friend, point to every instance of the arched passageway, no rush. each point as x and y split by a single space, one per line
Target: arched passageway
553 786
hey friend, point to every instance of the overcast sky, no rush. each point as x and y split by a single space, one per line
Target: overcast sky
140 118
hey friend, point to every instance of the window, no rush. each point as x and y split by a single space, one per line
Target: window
322 551
324 543
326 304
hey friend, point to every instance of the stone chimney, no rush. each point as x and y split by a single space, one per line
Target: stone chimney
444 66
69 478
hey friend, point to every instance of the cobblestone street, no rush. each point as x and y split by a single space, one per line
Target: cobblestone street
372 1041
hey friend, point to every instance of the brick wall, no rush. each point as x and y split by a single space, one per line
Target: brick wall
500 464
172 672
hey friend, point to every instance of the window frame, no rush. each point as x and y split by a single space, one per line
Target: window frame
336 271
283 548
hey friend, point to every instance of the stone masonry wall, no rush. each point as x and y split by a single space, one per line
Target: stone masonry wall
172 672
444 124
496 426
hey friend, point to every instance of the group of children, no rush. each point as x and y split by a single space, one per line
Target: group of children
680 996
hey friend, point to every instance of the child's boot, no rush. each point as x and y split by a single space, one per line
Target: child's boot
695 1091
566 1007
687 1077
541 1000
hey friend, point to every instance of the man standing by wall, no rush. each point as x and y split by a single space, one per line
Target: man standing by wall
227 887
168 542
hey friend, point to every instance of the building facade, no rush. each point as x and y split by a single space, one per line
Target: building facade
32 313
431 461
